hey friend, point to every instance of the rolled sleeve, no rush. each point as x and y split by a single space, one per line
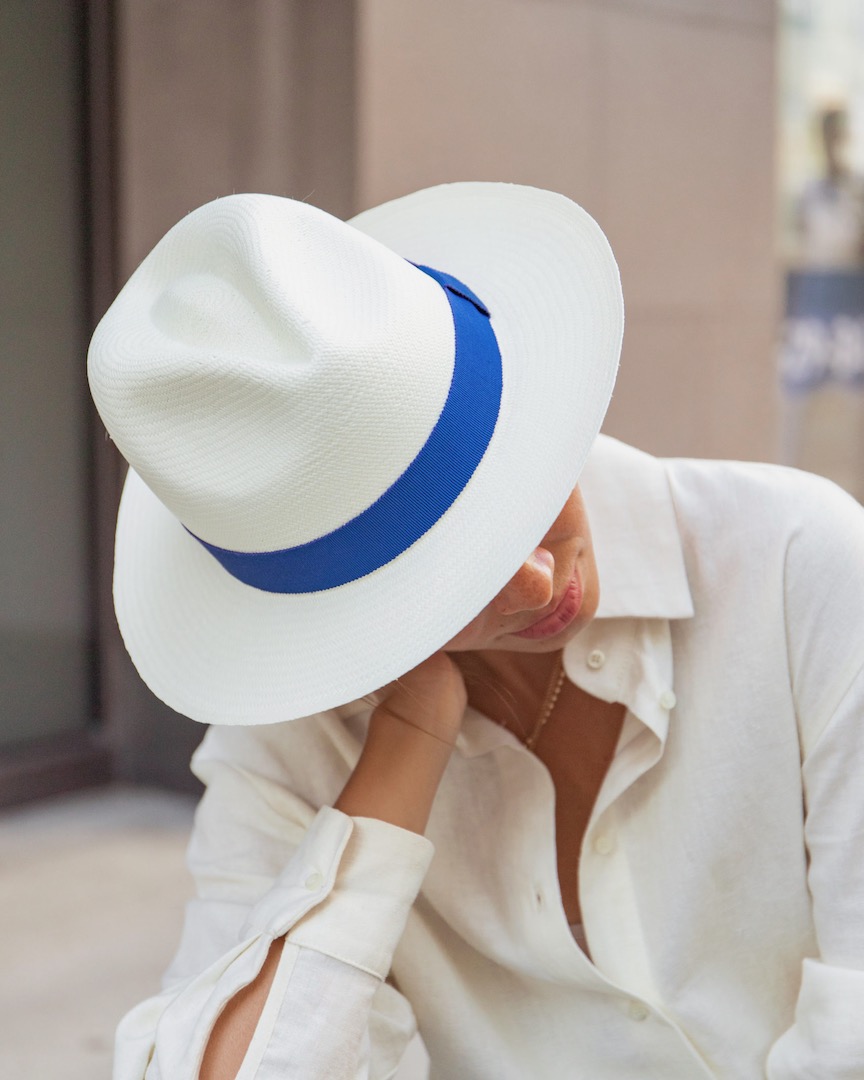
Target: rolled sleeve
308 878
826 1040
341 901
363 916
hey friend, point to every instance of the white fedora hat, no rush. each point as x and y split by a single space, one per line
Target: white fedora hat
344 438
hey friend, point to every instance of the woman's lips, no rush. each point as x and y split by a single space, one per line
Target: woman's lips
568 608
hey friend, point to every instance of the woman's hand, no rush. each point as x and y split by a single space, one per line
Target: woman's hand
411 735
431 698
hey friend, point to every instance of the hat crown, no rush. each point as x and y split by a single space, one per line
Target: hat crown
270 371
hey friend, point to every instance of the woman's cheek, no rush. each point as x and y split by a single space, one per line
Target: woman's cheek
473 636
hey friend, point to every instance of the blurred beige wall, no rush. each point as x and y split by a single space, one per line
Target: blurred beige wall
217 96
657 116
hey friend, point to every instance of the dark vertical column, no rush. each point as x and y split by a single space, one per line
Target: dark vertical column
50 739
100 128
211 96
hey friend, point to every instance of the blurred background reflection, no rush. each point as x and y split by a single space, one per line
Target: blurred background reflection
821 178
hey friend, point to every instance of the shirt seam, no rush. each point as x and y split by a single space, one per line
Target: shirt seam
807 746
832 713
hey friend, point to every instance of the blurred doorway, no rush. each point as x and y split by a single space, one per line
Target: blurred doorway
47 683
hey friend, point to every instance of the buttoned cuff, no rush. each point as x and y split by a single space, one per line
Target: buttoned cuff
347 890
827 1038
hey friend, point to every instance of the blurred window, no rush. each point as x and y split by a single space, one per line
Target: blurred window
821 356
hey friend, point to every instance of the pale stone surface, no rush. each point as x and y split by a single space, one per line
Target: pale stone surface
92 890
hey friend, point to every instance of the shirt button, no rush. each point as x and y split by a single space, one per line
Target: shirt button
314 882
668 700
596 659
604 844
637 1011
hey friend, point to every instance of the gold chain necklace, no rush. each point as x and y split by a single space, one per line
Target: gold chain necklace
553 690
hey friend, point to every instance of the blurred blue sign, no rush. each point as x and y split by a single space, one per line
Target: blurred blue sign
823 332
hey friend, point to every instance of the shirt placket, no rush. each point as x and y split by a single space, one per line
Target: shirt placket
630 662
622 660
626 661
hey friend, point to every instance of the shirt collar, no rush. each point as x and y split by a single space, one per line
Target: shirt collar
626 653
635 533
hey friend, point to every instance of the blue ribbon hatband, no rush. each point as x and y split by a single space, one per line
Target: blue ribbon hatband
422 494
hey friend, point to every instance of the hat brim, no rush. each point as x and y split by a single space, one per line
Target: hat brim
224 653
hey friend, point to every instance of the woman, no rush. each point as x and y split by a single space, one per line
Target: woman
355 538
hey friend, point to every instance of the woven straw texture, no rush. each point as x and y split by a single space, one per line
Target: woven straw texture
269 371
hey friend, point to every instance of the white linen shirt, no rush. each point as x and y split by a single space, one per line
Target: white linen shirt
721 880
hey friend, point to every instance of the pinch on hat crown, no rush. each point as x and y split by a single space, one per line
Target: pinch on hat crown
280 374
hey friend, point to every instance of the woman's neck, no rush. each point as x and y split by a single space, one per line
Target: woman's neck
508 687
